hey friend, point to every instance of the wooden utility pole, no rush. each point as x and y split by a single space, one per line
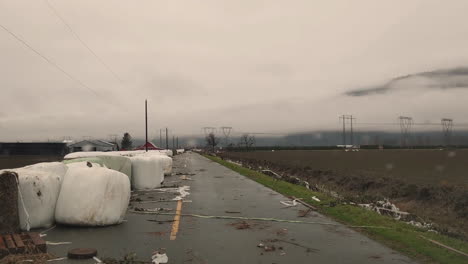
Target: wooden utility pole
146 125
167 140
160 138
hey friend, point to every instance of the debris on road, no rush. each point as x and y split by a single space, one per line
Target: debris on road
274 220
50 243
185 178
139 209
232 212
275 240
304 203
159 256
240 225
282 232
289 203
82 253
182 191
304 213
24 243
161 221
40 258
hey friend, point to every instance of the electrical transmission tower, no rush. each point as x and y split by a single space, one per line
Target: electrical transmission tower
347 119
209 130
226 133
406 124
447 125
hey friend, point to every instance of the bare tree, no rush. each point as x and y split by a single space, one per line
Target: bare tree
246 141
212 141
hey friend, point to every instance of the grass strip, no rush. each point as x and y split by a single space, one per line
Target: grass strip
397 235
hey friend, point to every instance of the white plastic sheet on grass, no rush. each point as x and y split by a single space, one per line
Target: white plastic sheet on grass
39 187
92 196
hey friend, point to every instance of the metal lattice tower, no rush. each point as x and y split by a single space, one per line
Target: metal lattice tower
447 125
406 123
209 130
226 133
344 119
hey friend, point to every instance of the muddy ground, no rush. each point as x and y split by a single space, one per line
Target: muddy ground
431 184
17 161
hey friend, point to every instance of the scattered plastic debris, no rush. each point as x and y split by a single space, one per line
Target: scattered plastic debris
289 203
183 192
185 178
97 260
139 209
159 257
386 208
57 243
57 259
315 199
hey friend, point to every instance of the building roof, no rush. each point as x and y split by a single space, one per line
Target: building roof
150 146
100 143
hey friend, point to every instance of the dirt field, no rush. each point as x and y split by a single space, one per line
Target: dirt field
432 184
11 162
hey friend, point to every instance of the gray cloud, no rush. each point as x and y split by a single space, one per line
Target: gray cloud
251 64
437 79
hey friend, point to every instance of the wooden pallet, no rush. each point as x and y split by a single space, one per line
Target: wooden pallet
30 242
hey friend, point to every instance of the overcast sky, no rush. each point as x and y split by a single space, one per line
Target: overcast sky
255 65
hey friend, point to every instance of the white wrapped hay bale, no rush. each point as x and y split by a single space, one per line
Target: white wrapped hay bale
147 171
167 163
180 151
39 188
118 163
92 196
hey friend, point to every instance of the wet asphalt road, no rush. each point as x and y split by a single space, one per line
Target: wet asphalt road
216 190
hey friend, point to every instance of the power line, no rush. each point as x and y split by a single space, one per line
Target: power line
48 60
55 11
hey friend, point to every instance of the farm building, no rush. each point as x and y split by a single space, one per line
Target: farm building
92 145
33 148
150 145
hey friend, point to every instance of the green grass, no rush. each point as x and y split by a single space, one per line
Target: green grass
397 235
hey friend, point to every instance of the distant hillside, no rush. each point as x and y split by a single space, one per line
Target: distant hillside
333 138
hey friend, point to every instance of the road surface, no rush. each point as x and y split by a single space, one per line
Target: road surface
218 191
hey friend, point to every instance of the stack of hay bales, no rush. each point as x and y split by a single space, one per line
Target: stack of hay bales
86 189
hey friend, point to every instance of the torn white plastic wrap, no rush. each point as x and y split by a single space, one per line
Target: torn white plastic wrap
147 172
159 258
289 203
93 196
181 191
39 187
315 199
